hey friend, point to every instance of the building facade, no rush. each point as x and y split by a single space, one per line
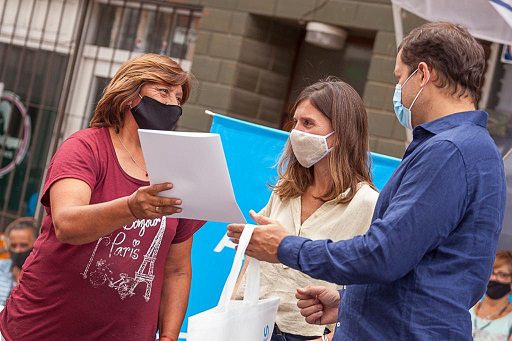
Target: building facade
250 59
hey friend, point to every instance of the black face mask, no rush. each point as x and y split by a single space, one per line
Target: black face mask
18 258
496 290
151 114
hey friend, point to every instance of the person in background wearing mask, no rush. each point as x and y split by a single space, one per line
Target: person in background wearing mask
20 236
428 254
491 316
324 191
6 280
109 264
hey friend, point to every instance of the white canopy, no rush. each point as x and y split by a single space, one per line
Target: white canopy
487 20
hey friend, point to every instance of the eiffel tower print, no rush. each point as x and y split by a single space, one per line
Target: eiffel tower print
144 274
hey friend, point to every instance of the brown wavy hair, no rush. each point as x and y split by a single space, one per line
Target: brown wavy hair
452 51
348 159
126 84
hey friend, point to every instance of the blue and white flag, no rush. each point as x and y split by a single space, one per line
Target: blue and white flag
252 151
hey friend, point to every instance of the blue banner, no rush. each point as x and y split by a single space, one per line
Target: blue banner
252 152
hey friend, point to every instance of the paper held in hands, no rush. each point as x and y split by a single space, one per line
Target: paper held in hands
195 164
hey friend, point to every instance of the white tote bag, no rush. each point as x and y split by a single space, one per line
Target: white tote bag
234 320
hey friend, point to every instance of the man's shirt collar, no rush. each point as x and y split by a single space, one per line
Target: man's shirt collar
477 117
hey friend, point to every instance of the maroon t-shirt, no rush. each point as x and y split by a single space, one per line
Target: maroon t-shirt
106 290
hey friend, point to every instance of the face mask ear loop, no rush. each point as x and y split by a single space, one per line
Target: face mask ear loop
419 92
140 99
138 93
412 74
326 144
138 89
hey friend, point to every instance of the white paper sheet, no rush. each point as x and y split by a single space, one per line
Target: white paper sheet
196 165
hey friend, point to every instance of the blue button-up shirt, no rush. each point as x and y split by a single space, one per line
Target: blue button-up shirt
427 257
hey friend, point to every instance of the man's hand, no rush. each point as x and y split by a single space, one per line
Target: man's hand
265 239
319 305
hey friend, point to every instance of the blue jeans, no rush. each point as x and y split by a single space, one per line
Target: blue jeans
278 335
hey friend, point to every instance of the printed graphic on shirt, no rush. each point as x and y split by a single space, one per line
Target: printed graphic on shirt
98 269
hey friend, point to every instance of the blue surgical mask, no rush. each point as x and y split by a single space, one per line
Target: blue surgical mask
402 113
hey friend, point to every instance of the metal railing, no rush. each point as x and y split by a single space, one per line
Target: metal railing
57 56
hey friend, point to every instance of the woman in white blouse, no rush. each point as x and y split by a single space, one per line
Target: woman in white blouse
324 191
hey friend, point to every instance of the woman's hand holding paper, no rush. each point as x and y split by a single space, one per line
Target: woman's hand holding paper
146 203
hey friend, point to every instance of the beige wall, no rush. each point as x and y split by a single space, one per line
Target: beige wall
244 59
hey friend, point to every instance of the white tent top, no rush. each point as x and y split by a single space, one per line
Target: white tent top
487 20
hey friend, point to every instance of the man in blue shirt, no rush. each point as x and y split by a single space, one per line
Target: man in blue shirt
428 254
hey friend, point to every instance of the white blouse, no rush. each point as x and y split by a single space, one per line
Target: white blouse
330 221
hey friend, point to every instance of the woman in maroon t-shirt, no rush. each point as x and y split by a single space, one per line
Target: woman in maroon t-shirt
108 265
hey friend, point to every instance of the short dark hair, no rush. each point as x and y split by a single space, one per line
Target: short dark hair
22 223
457 57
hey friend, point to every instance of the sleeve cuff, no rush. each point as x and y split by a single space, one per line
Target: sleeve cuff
289 249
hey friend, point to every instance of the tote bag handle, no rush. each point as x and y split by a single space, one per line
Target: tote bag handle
252 290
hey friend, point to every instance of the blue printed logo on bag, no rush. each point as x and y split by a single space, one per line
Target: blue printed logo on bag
266 333
236 320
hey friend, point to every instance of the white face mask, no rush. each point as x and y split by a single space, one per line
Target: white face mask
309 148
